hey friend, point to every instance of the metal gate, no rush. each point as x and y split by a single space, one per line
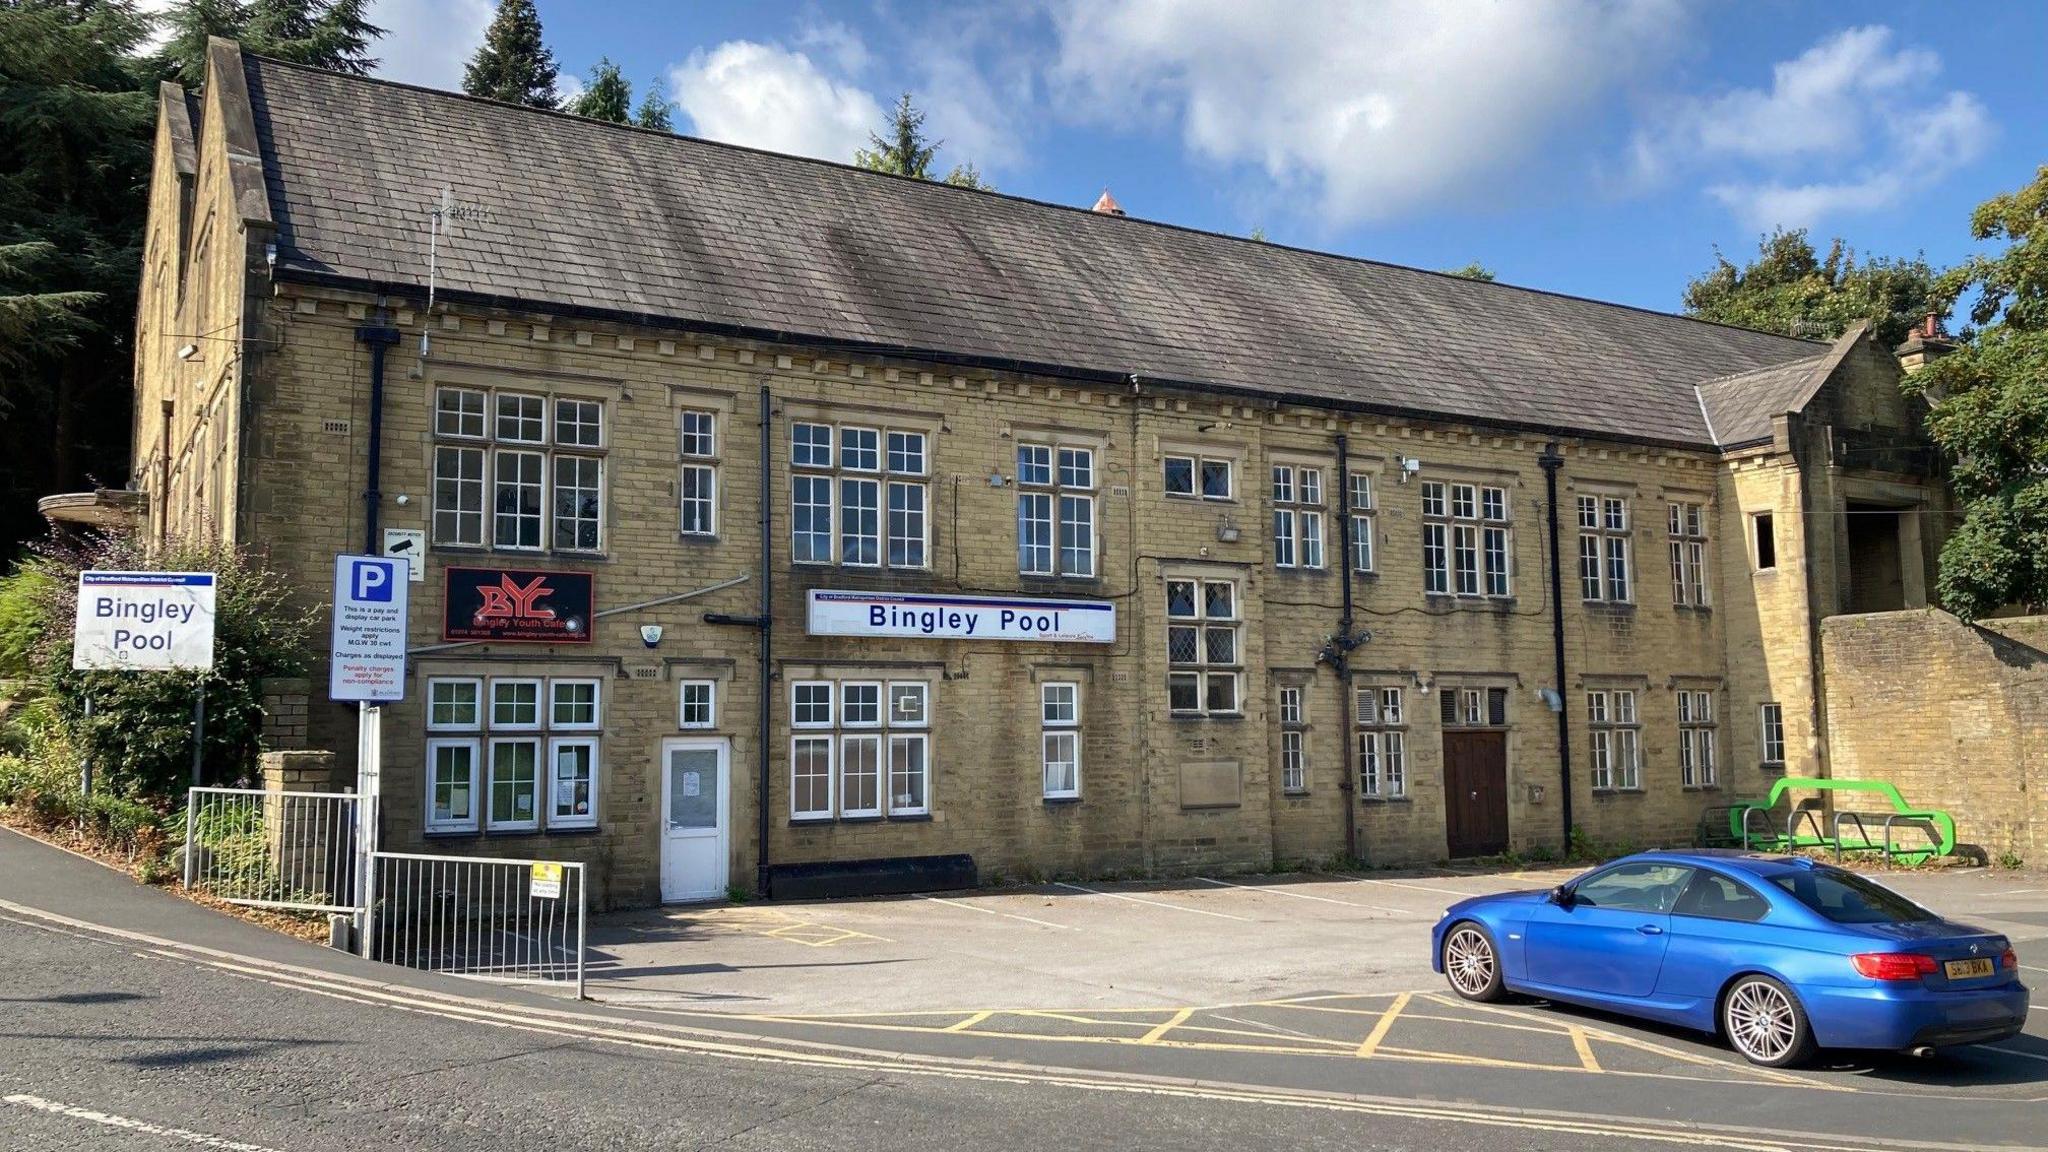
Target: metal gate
516 921
265 849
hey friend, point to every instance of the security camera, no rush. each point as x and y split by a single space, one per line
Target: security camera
188 351
403 499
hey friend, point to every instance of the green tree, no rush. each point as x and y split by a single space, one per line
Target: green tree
654 111
1473 271
513 64
607 96
1988 409
1792 290
76 116
905 150
331 34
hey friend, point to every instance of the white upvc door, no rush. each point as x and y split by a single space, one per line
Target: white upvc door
696 812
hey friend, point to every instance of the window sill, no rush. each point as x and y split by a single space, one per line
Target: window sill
1053 580
1768 767
811 821
910 818
1700 787
1061 801
1459 602
1221 717
1614 793
1299 570
1402 799
1613 607
1696 609
698 538
1295 794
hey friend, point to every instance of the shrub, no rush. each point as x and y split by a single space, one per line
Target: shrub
139 731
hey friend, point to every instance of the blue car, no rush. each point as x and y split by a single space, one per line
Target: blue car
1780 955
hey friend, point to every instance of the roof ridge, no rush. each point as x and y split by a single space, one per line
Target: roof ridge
855 169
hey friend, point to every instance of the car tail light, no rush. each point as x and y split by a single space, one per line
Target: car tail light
1893 965
2011 959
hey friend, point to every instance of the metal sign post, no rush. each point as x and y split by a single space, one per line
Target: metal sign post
366 664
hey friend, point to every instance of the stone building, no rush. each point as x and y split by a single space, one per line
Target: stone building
1084 543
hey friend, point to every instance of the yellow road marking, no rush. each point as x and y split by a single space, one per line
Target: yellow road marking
1169 1024
1386 1023
1585 1048
967 1022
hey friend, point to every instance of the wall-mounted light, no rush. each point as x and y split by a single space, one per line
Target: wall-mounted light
1424 686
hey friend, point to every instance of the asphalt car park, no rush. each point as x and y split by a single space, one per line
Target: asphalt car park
1252 970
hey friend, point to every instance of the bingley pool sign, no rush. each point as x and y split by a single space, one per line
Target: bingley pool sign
918 615
144 621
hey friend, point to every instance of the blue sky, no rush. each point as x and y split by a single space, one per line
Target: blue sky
1600 149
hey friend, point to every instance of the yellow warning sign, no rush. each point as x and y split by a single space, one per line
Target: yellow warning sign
544 881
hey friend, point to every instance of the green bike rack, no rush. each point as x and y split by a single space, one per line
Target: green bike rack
1744 815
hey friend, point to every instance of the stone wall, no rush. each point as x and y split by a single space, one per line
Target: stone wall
1955 715
284 713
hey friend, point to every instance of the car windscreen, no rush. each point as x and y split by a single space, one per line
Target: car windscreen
1847 898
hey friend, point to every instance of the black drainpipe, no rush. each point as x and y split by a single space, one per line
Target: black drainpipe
1551 462
1346 787
377 335
767 650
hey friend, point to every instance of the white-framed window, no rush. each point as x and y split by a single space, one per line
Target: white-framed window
1297 516
533 742
1055 510
1293 739
572 782
1771 725
1467 541
1363 521
1202 649
545 483
451 784
1604 573
1697 763
1199 477
1615 736
869 505
1381 717
697 704
1687 527
1059 738
866 758
697 479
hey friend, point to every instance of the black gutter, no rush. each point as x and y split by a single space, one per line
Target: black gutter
1551 462
377 335
989 363
761 880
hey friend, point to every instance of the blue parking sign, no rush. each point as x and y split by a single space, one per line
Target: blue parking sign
366 663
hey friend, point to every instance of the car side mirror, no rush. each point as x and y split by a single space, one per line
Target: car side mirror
1561 895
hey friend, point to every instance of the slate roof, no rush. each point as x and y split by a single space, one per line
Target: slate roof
1739 408
610 221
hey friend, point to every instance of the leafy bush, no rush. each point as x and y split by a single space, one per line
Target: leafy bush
139 730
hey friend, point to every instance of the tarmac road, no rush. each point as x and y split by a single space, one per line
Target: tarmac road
135 1020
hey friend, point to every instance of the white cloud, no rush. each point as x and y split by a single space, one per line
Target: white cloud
766 96
1853 124
428 41
1368 109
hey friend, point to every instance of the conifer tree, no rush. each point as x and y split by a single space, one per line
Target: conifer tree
655 110
906 151
607 96
513 64
331 34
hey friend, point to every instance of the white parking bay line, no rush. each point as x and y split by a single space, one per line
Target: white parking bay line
993 912
1418 887
1153 903
2021 1055
109 1120
1301 896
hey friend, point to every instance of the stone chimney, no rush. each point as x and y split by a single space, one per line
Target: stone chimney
1925 345
1107 205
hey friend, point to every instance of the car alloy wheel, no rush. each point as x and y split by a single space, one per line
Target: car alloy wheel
1469 962
1764 1023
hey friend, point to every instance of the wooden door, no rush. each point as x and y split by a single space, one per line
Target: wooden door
1476 793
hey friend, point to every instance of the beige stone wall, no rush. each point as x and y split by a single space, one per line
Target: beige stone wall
1950 713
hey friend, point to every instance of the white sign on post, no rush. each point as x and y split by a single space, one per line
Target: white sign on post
368 660
408 544
144 621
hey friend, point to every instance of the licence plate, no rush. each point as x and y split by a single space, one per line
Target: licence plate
1967 969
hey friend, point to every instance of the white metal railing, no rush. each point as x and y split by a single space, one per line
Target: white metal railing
519 921
269 849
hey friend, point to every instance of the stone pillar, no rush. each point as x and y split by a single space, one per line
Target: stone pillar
284 713
298 770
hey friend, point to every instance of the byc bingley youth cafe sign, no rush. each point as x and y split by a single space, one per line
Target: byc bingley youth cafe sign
921 616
